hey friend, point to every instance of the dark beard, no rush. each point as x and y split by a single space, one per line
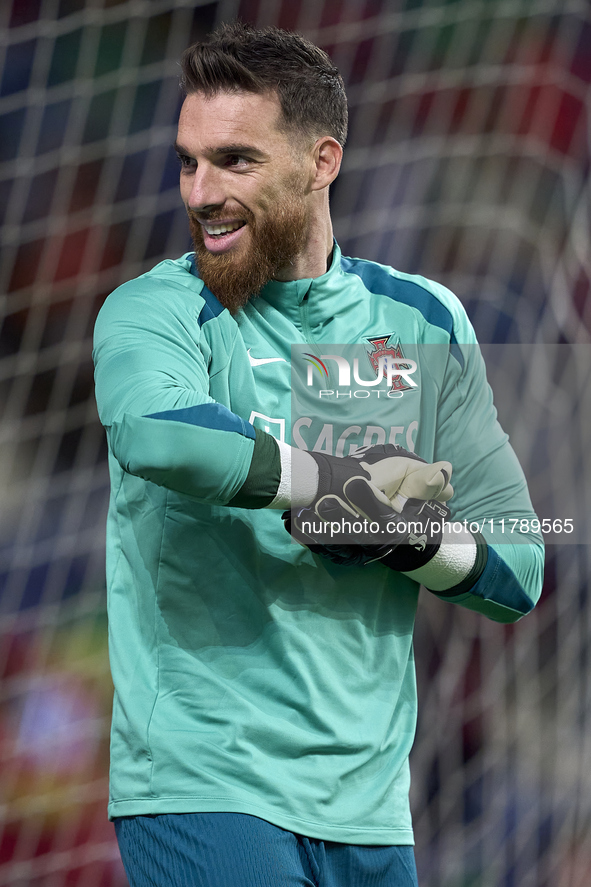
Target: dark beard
275 244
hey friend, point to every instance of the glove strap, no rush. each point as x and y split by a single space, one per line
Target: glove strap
422 529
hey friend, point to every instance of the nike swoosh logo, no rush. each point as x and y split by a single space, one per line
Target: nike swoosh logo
259 361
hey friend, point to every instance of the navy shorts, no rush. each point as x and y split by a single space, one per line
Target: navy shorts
236 850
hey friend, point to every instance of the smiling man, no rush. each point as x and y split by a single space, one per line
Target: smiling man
257 199
265 698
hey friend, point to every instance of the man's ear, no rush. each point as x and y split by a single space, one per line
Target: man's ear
327 159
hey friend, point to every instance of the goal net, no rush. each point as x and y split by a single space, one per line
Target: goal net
468 162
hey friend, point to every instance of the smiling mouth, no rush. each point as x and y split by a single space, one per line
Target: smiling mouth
220 229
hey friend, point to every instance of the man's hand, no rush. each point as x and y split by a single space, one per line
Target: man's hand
352 519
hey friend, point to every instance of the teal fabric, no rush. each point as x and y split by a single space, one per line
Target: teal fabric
251 676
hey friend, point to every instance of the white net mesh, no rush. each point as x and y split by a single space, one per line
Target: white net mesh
468 161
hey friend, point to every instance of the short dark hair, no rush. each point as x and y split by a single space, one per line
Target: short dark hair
239 57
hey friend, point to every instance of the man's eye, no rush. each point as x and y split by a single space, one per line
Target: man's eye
237 160
185 162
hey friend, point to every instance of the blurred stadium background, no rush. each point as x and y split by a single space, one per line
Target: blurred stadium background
468 161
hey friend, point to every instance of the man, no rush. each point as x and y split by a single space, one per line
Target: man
265 700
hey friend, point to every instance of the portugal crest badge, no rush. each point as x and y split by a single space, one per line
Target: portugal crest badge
382 353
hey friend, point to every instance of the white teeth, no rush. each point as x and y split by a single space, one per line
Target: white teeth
222 229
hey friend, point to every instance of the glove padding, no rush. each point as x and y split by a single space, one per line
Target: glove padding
352 520
403 475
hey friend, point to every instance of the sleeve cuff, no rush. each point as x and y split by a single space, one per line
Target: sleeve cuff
264 474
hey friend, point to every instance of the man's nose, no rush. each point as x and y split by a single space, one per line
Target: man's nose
206 190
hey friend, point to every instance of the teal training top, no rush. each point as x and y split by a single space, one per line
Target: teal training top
250 675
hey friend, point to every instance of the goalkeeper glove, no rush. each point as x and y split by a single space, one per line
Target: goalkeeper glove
405 533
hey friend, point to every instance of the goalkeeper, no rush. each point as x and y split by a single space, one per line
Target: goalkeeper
265 694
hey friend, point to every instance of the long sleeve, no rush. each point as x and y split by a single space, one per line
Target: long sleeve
491 491
165 358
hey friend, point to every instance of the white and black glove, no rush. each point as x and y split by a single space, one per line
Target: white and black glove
381 503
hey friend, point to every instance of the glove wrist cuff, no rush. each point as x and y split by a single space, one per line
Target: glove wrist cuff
452 564
298 485
465 584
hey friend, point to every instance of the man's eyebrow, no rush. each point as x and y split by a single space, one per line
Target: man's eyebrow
237 149
224 150
180 149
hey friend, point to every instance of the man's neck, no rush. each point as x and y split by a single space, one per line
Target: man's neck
313 261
